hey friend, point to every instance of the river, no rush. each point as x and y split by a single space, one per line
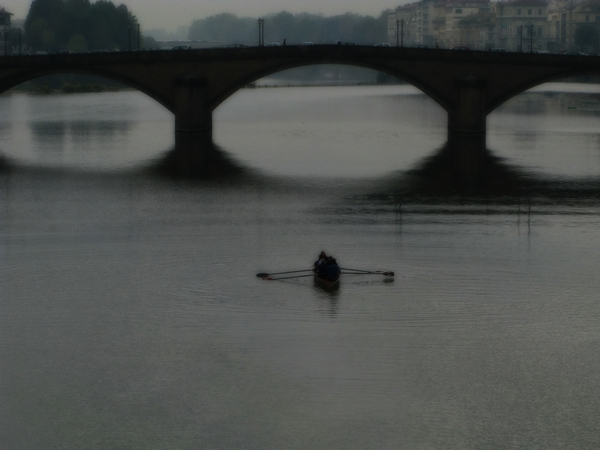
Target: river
131 315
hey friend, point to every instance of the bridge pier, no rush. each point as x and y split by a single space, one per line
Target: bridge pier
193 126
193 119
191 109
467 127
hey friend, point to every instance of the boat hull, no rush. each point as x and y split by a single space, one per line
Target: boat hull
326 283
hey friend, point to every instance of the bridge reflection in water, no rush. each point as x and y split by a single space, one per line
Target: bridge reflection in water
194 160
436 179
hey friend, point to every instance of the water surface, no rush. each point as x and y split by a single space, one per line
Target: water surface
131 316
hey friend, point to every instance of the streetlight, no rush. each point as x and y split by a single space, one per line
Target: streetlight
261 32
6 38
402 33
19 41
521 35
397 32
531 38
129 37
139 46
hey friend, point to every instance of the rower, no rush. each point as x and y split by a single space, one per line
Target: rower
332 271
320 267
322 257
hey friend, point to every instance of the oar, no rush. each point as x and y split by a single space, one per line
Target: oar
287 278
366 272
263 275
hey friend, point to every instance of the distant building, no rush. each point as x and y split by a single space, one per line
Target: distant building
514 25
5 18
522 25
402 25
456 11
4 27
424 32
477 31
464 18
565 18
436 23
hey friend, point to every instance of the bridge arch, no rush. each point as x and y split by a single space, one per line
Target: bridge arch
498 101
23 77
245 79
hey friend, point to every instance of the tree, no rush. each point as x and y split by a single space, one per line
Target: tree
49 10
36 31
587 35
221 27
280 26
150 42
295 28
369 30
79 24
77 43
309 28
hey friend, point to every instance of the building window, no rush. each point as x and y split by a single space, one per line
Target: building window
597 18
587 18
529 12
519 11
540 12
539 31
458 11
2 20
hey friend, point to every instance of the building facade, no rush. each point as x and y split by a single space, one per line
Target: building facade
461 26
402 25
477 31
514 25
522 25
567 20
5 18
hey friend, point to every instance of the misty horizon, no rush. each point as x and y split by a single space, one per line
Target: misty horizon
172 17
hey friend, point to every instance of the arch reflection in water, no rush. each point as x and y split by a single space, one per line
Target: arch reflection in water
198 159
438 179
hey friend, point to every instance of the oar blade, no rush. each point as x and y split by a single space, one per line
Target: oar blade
264 274
287 278
368 272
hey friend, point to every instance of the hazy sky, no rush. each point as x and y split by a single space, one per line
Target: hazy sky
170 14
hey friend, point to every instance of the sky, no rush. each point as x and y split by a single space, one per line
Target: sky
171 14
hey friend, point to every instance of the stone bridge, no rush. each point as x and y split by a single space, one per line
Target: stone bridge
192 83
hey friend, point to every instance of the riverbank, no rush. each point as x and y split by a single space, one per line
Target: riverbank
67 88
82 88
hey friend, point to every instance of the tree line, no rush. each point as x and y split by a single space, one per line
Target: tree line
294 28
79 25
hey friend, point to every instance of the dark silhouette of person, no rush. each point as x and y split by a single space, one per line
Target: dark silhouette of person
333 271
